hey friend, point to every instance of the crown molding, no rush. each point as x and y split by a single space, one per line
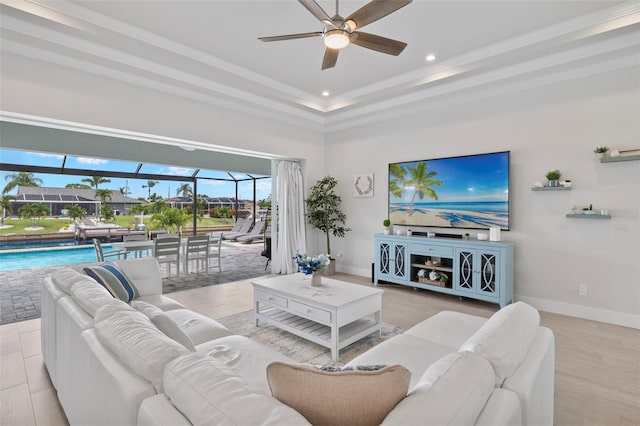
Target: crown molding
578 42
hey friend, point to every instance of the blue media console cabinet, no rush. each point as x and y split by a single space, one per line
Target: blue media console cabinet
475 269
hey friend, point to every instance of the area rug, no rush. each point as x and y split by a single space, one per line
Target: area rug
297 348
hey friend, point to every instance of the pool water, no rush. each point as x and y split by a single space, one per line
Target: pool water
26 259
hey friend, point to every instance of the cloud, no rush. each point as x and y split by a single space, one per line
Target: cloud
94 161
59 157
180 171
212 182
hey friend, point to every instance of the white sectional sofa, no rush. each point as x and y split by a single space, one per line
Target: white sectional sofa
115 363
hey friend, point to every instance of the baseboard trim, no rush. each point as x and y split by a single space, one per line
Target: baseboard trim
578 311
584 312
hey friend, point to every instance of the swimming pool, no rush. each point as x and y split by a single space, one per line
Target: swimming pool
24 244
25 259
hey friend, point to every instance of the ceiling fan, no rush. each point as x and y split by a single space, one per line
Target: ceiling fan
338 32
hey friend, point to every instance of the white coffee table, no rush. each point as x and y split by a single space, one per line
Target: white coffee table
333 315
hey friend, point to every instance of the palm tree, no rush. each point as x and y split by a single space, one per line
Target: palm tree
150 184
421 181
104 195
77 186
185 190
397 174
95 181
123 191
33 211
74 211
6 206
20 179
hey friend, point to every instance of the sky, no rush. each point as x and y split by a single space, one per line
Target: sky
165 189
473 178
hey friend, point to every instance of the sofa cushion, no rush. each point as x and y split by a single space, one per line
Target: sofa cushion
163 302
339 398
133 338
505 339
164 323
91 296
199 328
110 276
416 354
65 278
144 273
206 395
447 328
242 357
453 391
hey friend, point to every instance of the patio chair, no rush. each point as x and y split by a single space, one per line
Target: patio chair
167 251
167 235
102 254
256 234
135 237
244 229
197 254
236 228
215 247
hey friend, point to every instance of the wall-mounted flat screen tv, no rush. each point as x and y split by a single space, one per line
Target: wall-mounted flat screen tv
469 192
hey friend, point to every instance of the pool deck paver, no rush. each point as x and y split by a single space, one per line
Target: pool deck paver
20 289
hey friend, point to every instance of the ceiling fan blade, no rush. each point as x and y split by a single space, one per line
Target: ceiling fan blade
316 10
291 36
330 58
375 10
375 42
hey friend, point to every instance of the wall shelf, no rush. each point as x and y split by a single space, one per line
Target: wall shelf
550 188
588 216
620 158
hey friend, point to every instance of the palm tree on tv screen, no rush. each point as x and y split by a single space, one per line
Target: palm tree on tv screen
20 179
397 174
421 181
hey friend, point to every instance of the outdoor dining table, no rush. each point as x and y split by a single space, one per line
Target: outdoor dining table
148 246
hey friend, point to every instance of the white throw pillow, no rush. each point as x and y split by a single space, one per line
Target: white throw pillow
452 391
208 396
133 338
91 296
164 323
505 339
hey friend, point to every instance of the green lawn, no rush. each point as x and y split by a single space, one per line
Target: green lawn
52 225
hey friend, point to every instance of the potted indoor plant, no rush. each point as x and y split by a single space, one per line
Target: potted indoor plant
553 176
602 150
386 223
323 212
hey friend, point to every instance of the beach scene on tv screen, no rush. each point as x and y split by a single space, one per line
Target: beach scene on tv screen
459 192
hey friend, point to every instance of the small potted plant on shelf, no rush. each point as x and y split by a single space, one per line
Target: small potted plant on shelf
602 150
386 223
553 176
588 210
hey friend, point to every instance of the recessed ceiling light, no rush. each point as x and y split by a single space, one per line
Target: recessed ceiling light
186 148
431 57
325 93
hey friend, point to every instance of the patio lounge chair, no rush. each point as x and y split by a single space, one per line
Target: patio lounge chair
256 234
236 228
244 230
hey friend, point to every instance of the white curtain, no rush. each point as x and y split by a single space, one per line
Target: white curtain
291 235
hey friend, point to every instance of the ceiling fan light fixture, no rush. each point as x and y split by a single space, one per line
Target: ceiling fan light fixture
336 39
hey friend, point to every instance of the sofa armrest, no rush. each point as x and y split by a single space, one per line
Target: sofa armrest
533 381
502 408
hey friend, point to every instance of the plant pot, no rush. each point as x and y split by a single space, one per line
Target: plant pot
386 231
553 183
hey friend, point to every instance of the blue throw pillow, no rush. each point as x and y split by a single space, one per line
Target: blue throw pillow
110 276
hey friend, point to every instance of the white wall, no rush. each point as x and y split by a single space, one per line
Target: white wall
544 128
